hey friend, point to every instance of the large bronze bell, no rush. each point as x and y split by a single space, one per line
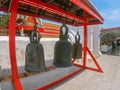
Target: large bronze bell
77 47
63 49
34 59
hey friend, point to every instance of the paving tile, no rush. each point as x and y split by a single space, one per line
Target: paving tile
87 80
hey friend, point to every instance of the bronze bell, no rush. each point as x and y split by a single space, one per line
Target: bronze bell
34 59
63 49
77 47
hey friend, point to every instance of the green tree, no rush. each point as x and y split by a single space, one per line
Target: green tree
4 20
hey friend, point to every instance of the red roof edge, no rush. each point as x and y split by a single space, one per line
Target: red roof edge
111 28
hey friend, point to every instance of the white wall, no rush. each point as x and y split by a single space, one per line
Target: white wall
48 44
93 37
21 43
96 41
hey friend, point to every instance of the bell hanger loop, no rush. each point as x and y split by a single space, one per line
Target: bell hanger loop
77 37
35 19
78 31
76 23
64 21
64 28
35 32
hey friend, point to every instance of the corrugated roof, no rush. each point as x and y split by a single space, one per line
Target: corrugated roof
68 11
112 28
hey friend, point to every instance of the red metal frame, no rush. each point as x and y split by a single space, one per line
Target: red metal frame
85 40
12 46
50 8
82 5
87 49
95 61
29 14
33 15
93 23
61 79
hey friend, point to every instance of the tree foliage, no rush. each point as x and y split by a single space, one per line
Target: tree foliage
4 20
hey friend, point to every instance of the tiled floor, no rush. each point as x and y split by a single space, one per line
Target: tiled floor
90 80
87 80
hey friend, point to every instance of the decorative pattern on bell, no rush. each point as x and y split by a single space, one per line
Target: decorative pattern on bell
34 59
77 47
63 49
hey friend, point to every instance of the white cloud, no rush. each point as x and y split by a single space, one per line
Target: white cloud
110 10
112 14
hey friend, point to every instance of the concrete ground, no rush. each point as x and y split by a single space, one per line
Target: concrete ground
90 80
86 80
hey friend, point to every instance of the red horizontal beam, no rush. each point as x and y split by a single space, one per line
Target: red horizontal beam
29 14
90 17
60 80
90 68
93 23
62 12
93 69
50 8
33 15
47 18
4 9
82 5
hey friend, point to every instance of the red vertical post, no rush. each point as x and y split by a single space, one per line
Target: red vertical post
85 40
12 47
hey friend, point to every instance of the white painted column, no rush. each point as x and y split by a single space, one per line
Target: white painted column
90 39
96 41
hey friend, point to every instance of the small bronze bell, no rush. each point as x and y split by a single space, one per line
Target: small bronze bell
34 59
77 47
63 50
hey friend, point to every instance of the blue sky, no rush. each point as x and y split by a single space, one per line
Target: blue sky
110 10
1 12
